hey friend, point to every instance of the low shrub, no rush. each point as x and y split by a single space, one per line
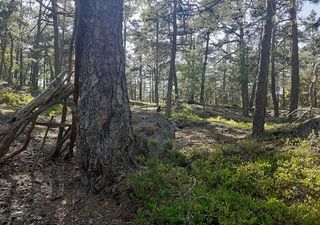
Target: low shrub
228 187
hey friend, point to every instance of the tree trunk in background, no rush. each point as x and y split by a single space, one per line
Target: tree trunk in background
151 85
283 90
274 75
193 73
295 78
261 94
105 137
56 39
3 51
224 82
204 69
156 74
140 79
172 72
243 74
312 88
176 88
253 93
22 77
10 78
36 54
62 36
315 96
16 64
254 86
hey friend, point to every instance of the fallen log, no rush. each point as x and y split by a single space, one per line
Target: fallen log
53 125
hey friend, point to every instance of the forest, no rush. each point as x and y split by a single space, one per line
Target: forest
160 112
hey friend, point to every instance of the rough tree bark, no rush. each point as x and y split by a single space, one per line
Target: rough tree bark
204 69
172 72
295 77
261 94
274 75
105 137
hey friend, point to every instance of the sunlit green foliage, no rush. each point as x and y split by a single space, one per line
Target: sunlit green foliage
14 100
243 183
54 110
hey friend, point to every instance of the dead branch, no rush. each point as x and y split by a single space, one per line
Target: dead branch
58 90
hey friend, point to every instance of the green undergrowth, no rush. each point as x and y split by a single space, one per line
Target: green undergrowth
244 125
14 100
185 111
186 114
55 110
250 182
137 106
219 119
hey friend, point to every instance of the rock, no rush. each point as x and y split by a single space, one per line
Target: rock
154 132
303 130
308 127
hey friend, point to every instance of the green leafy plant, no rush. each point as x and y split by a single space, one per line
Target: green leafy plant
226 186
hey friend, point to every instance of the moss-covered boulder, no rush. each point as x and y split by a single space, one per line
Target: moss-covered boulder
154 132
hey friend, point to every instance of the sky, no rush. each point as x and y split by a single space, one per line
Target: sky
307 7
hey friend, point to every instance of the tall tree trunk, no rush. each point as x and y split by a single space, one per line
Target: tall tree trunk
254 86
312 88
62 36
16 63
315 95
274 75
3 56
36 53
156 74
140 79
22 78
204 69
105 136
261 94
56 39
283 90
176 88
295 78
151 86
253 93
224 82
193 72
172 72
10 78
243 74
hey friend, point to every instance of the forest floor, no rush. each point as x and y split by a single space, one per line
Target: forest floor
34 190
210 155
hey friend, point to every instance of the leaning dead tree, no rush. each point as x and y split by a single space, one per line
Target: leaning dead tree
25 119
